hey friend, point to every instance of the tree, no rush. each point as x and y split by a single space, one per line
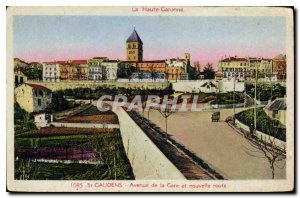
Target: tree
166 112
23 120
208 71
197 65
267 148
32 73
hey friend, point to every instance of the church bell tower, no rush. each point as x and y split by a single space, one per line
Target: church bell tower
134 48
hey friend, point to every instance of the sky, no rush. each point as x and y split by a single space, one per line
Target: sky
207 39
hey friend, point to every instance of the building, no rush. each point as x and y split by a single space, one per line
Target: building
78 70
177 69
110 68
32 97
134 48
277 110
231 65
20 78
263 66
101 68
65 70
64 67
42 119
279 66
152 66
95 69
51 72
244 67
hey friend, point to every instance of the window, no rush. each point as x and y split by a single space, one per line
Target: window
39 102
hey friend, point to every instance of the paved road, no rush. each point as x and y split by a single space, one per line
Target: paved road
182 162
217 143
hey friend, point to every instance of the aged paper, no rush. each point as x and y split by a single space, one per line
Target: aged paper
150 99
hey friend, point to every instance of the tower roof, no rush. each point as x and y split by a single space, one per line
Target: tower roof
134 37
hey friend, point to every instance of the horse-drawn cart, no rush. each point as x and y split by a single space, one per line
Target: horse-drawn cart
215 117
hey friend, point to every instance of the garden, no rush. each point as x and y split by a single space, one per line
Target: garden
265 92
102 152
220 98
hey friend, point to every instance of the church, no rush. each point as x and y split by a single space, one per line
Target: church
174 69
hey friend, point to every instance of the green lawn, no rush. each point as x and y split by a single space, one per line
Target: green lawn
221 98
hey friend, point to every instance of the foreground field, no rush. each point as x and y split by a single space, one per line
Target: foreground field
92 115
103 154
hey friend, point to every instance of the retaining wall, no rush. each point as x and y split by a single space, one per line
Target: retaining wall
193 86
85 125
54 86
146 160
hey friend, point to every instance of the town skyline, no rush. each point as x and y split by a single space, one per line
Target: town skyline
70 38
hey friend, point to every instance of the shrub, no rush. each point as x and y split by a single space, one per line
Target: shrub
228 119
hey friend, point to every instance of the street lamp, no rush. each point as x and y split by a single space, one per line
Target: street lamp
255 99
233 117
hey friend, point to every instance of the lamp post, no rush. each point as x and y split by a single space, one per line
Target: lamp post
233 117
255 99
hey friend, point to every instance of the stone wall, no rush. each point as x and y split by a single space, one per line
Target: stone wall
207 86
54 86
146 160
193 86
85 125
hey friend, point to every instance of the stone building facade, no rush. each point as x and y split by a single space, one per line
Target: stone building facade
32 97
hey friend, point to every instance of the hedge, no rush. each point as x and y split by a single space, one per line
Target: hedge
264 123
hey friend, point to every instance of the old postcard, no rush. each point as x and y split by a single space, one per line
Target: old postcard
150 99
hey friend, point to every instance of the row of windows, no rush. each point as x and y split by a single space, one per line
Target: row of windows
151 65
133 46
40 93
50 68
50 73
